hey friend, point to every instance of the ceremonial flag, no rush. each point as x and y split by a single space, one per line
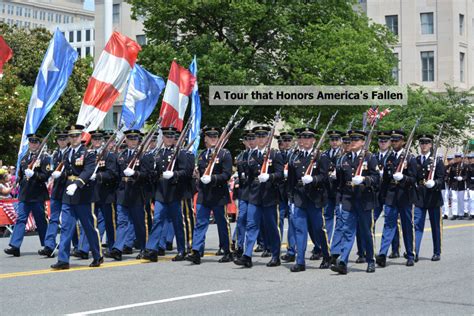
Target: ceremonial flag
5 54
373 112
108 80
50 83
179 86
141 97
195 110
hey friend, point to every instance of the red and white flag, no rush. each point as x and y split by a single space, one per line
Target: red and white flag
5 54
10 207
108 80
373 113
175 100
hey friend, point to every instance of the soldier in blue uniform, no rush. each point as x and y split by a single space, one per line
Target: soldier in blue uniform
131 197
79 165
428 196
32 194
168 195
263 199
398 199
56 195
309 197
285 140
213 194
357 194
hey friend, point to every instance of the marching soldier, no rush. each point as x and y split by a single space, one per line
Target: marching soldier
457 180
447 195
79 165
398 198
213 194
357 194
285 140
32 194
56 195
470 184
428 196
263 199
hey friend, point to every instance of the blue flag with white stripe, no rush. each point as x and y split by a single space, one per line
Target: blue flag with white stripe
195 110
141 97
50 83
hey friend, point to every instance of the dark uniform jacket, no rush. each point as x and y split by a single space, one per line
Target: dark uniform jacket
34 189
59 184
107 179
78 168
331 186
363 196
242 173
215 193
470 177
381 188
314 193
429 198
265 194
455 171
283 186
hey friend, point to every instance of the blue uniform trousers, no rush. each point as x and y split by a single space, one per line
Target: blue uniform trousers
291 247
337 242
70 214
283 209
189 220
396 238
199 237
268 217
436 228
241 223
137 217
329 212
53 225
355 220
23 211
390 227
163 213
105 222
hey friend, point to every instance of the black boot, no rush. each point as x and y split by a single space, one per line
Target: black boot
326 263
47 252
340 268
298 268
151 255
226 258
288 258
244 261
97 262
194 257
381 260
60 265
15 252
178 257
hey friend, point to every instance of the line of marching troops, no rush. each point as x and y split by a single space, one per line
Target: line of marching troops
331 204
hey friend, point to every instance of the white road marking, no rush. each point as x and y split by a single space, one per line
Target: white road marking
167 300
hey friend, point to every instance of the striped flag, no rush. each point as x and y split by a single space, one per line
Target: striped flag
179 86
10 207
5 54
195 110
373 112
108 80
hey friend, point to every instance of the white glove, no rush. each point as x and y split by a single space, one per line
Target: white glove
29 173
333 176
235 175
307 179
285 173
429 184
93 176
262 178
457 178
381 173
206 179
56 174
168 174
397 176
71 189
129 172
357 180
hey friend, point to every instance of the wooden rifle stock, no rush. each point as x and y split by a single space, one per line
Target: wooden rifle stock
407 146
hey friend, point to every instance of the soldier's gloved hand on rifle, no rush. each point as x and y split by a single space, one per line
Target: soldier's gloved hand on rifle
357 180
168 174
93 176
263 177
71 189
285 173
29 173
381 173
457 178
398 176
129 172
307 179
429 184
206 179
56 174
332 175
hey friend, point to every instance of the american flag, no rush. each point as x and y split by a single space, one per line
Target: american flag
10 207
373 112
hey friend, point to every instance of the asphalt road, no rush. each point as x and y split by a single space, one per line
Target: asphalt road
28 286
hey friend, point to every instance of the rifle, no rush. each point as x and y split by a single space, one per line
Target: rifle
34 163
317 120
435 154
464 154
407 146
104 150
349 127
268 146
365 150
179 144
317 150
144 144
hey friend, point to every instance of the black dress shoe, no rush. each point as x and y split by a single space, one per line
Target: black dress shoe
298 268
76 253
360 259
226 258
82 255
194 257
334 259
60 265
161 252
178 257
454 217
238 253
445 216
46 251
288 258
370 268
316 256
151 255
127 250
259 248
220 252
15 252
405 255
266 254
325 264
410 263
115 254
340 268
436 258
97 262
169 246
394 255
381 260
274 262
141 255
416 258
244 261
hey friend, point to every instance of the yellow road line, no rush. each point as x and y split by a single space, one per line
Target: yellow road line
136 262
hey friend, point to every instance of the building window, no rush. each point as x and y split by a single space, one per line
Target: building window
18 11
71 36
461 67
78 49
427 66
88 51
427 23
35 14
50 17
116 13
392 23
88 35
461 24
141 39
10 9
78 36
395 69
